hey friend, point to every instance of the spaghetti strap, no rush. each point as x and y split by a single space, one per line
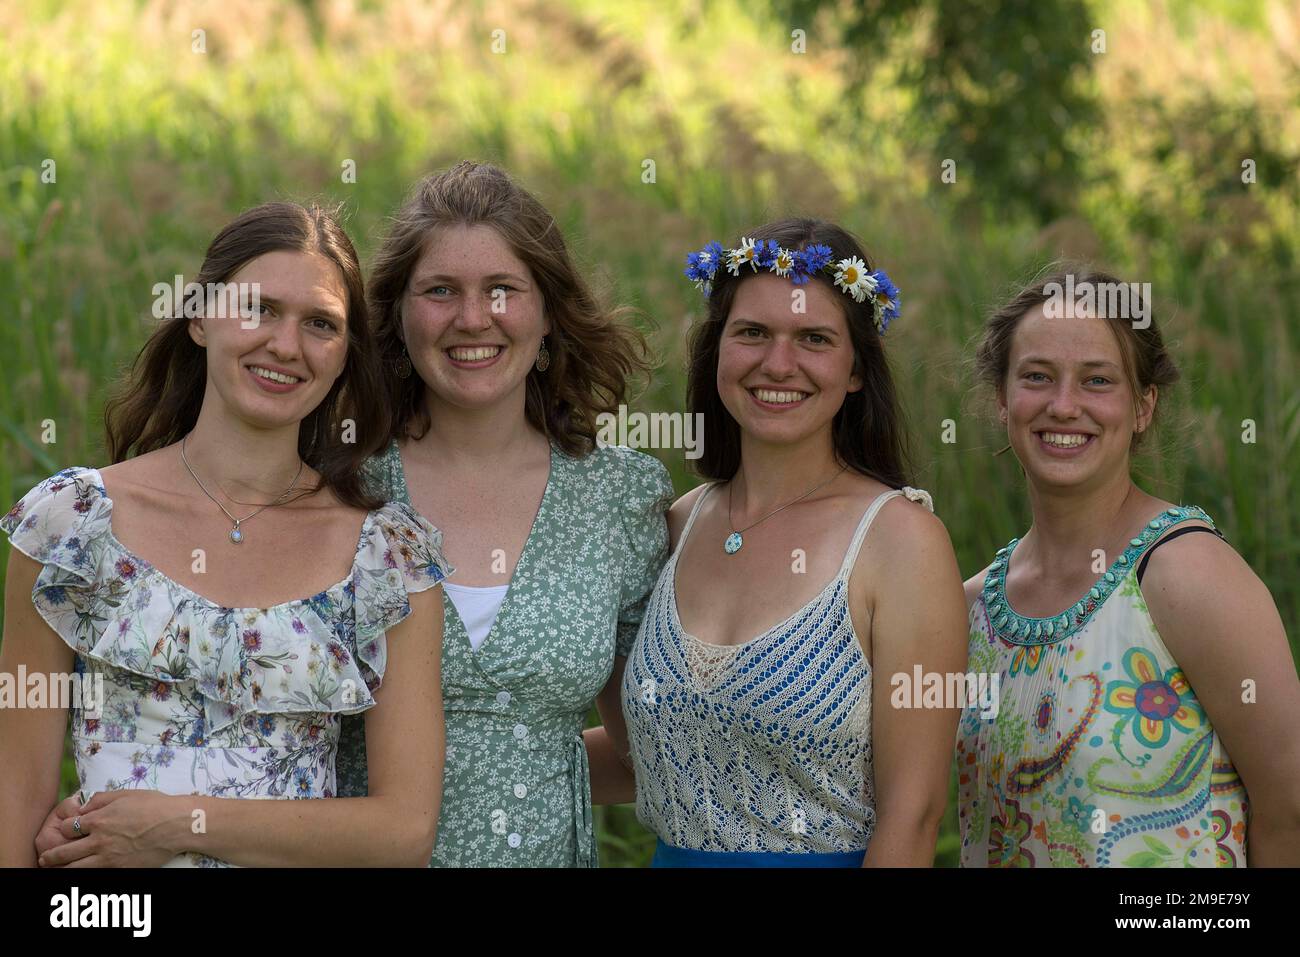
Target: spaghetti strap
695 510
915 494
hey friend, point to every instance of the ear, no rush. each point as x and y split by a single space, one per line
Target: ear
197 334
1146 408
855 382
1002 404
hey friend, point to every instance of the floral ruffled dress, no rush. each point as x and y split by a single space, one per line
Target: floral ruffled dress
202 699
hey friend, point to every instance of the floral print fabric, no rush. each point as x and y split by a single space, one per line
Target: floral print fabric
203 699
516 788
1100 754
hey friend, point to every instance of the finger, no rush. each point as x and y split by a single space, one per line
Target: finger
66 854
69 806
91 860
101 798
48 839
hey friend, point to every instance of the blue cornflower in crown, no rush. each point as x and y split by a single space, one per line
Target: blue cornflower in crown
849 275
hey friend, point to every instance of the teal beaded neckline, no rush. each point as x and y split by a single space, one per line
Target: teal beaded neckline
1018 629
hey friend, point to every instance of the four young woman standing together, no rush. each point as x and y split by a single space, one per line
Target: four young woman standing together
252 581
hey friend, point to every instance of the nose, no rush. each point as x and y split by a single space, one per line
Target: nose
1064 403
475 313
779 359
285 342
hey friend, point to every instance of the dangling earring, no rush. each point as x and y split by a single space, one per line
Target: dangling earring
402 365
543 357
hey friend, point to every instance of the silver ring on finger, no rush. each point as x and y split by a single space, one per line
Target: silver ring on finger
76 826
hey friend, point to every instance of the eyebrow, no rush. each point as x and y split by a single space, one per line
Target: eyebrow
440 277
1091 363
325 311
819 330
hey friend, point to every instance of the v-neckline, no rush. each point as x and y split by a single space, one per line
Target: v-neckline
515 576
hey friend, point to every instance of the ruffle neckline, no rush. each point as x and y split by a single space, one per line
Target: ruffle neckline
322 654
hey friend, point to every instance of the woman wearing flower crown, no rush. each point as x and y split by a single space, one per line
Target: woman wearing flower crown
214 661
1148 698
757 696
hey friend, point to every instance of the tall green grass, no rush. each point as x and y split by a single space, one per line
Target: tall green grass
156 147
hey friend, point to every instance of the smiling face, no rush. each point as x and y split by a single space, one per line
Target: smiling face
1067 402
277 373
783 375
472 318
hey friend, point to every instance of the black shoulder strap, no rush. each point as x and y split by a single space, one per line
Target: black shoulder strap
1185 530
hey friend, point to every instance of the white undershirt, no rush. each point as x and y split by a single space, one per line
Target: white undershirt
477 607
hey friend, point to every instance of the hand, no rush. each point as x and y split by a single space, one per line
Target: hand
50 835
118 829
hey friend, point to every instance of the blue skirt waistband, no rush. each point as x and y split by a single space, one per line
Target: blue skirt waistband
668 856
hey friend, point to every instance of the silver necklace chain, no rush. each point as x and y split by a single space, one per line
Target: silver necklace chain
236 534
735 541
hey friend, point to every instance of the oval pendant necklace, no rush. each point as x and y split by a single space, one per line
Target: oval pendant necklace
236 533
735 541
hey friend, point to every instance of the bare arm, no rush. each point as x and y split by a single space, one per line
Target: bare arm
395 825
31 739
1219 622
919 619
612 778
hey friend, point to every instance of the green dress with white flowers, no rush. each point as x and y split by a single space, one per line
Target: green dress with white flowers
516 788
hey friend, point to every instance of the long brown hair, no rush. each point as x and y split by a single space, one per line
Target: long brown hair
158 402
593 349
867 431
1146 360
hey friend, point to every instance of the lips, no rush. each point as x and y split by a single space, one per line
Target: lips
474 353
1064 441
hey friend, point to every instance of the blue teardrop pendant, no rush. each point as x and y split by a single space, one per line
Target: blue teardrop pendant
733 543
236 535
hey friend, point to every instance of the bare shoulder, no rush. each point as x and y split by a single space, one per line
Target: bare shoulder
1192 567
680 511
904 528
134 478
908 543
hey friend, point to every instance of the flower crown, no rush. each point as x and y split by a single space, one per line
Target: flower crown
800 265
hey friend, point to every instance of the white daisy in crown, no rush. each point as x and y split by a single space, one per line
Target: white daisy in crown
784 262
740 256
851 276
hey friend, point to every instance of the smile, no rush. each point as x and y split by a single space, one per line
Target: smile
268 374
775 397
473 353
1065 440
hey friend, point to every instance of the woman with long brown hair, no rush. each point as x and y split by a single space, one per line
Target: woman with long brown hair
499 359
761 701
173 579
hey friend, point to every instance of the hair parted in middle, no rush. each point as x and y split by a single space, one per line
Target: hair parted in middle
867 432
593 348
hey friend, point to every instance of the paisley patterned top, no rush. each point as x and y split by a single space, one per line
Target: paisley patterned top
1100 754
763 746
184 696
516 790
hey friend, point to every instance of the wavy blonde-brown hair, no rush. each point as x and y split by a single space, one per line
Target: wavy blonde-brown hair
593 348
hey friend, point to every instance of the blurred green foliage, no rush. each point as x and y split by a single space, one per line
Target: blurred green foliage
1132 158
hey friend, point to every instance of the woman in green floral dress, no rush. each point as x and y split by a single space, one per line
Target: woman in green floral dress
501 359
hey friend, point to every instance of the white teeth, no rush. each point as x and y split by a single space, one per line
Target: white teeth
475 354
1063 440
769 395
273 376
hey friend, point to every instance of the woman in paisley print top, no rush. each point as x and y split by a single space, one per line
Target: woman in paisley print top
1148 698
501 360
162 581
